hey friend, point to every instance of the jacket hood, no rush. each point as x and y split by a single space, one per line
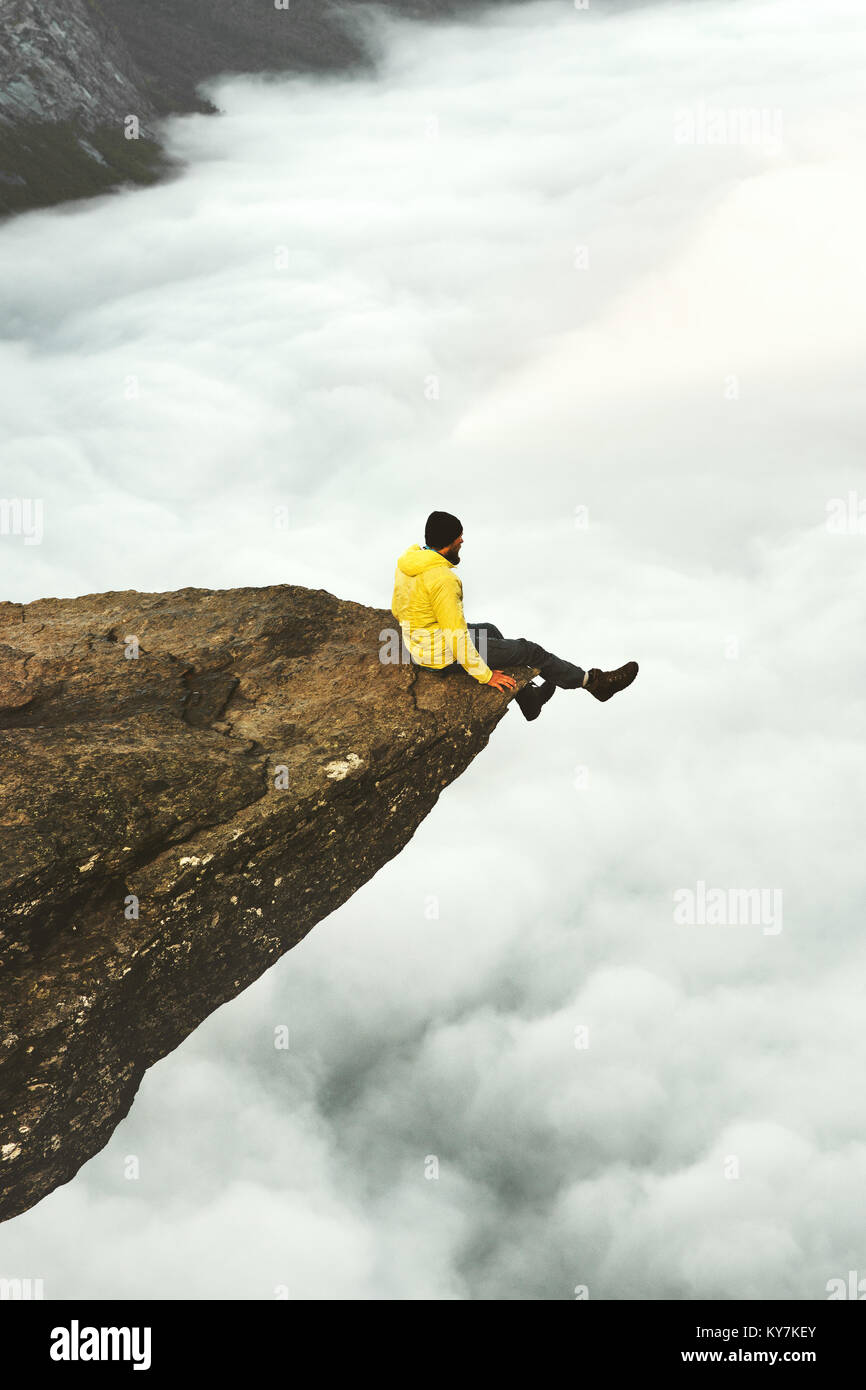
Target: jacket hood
417 558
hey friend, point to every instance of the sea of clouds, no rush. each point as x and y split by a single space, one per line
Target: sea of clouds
540 270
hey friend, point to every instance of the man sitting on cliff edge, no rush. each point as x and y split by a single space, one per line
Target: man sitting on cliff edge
428 604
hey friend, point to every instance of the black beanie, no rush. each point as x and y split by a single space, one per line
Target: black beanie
442 528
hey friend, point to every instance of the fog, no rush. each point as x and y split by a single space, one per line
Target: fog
538 270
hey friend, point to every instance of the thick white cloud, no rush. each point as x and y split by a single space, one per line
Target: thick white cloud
691 378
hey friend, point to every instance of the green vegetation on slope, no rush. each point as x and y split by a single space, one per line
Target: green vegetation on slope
42 164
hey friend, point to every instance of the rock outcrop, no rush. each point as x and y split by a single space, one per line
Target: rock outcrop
174 820
66 62
68 83
73 71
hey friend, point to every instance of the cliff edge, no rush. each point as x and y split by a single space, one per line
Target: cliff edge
190 781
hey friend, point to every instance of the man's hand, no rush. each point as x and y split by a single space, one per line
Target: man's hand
499 681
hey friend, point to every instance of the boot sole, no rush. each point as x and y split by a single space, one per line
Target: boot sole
536 703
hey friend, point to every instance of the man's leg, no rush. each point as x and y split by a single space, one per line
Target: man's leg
480 634
520 651
499 651
532 698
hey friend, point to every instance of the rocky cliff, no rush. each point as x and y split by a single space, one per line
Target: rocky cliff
190 781
66 61
72 71
68 81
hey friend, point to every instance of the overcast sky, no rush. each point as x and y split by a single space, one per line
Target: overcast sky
537 272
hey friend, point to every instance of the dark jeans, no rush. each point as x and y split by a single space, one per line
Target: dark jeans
499 651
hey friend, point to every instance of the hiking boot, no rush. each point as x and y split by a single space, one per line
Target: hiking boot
603 684
532 698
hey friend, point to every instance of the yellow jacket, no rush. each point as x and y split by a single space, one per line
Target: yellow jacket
428 605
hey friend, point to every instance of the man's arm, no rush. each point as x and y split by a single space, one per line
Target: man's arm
445 598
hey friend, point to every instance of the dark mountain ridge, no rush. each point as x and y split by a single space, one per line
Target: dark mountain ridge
72 73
